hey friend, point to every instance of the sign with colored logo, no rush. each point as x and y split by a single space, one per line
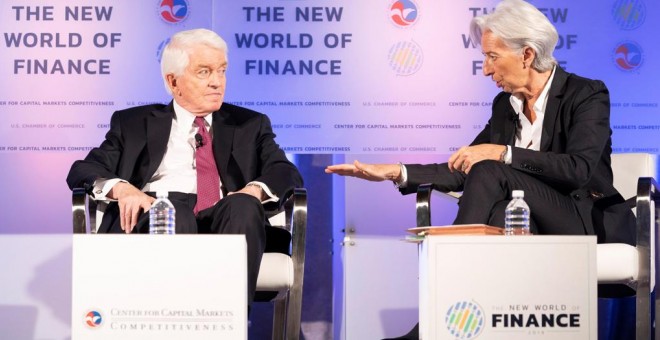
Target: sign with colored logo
405 57
93 319
174 11
629 14
160 303
465 320
404 13
628 56
492 291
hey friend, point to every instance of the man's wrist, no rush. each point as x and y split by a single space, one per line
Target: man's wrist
259 188
398 179
503 154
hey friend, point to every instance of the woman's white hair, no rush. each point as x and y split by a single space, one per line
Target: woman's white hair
175 57
519 24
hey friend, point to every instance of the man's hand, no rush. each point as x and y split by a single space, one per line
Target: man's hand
467 156
132 202
370 172
253 190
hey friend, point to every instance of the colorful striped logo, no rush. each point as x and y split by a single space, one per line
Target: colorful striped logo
405 58
629 14
465 320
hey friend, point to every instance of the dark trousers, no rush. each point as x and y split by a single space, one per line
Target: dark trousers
234 214
487 191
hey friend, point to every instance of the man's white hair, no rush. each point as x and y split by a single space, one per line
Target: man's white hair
175 57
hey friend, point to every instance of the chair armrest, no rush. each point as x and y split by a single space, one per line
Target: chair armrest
84 212
423 203
79 205
647 197
296 218
617 263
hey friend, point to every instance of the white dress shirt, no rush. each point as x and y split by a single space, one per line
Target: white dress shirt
528 135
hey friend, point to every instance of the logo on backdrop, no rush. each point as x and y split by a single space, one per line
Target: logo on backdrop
404 13
405 57
161 47
93 319
629 14
465 320
173 11
628 56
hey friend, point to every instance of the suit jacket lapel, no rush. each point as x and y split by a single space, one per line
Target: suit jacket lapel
159 124
552 107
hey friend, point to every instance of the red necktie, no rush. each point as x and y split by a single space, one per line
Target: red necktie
208 180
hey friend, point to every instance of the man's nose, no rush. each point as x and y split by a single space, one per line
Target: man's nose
214 79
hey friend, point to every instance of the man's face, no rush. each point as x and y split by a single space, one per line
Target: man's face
201 87
502 64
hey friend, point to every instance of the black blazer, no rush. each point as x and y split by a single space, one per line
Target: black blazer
574 156
243 144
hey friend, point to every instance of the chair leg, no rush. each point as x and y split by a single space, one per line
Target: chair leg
279 318
294 310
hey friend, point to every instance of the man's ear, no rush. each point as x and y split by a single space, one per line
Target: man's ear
171 81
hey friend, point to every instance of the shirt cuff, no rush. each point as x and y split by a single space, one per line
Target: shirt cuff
508 156
404 177
103 186
271 197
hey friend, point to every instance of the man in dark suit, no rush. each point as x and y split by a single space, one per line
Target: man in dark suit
219 162
549 135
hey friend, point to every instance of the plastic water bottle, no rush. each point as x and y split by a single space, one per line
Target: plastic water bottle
161 215
516 219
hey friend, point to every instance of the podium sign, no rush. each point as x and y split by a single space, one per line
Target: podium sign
159 287
517 287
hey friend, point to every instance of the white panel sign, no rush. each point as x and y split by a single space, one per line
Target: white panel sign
159 287
497 287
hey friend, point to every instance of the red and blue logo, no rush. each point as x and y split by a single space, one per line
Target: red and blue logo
404 13
173 11
93 319
628 56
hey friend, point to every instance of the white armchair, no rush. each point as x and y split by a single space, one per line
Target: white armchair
280 279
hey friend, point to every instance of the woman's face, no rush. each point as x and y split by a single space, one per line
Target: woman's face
504 65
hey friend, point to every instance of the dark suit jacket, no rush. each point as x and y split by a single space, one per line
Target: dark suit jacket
574 156
243 145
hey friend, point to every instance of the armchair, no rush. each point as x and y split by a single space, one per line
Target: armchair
617 263
280 279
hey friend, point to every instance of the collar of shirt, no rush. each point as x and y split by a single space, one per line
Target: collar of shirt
539 106
185 119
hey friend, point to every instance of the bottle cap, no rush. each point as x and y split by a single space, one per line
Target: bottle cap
518 194
161 193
